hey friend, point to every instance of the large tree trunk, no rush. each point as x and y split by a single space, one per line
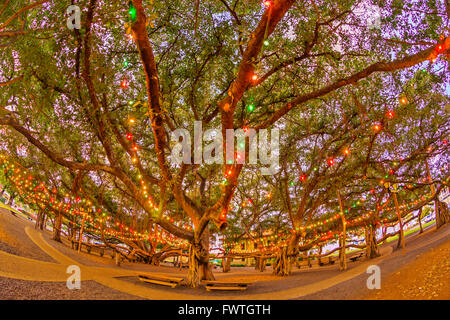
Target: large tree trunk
419 217
371 243
40 220
320 253
342 249
57 228
226 264
343 237
80 236
442 214
44 222
199 267
260 264
72 231
283 262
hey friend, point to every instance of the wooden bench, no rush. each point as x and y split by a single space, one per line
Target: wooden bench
327 260
226 285
308 263
100 249
357 256
75 244
303 263
161 280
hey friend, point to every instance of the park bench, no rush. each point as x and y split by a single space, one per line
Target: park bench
226 285
161 280
356 256
100 249
308 263
76 243
327 260
303 263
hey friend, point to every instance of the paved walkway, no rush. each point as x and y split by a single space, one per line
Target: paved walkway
125 280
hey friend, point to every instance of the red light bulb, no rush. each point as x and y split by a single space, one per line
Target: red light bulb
390 114
124 83
129 136
330 162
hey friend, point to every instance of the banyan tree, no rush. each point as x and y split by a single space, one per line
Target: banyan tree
355 89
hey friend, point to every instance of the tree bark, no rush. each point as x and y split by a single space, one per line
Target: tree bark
260 264
226 264
343 237
320 252
342 258
401 236
442 214
199 267
57 228
419 217
38 219
80 236
371 242
283 262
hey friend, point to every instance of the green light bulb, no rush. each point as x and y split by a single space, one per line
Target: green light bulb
132 12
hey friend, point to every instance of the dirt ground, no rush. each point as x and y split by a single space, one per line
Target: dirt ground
427 277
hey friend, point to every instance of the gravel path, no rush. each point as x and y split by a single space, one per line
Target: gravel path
13 238
13 289
355 288
427 277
